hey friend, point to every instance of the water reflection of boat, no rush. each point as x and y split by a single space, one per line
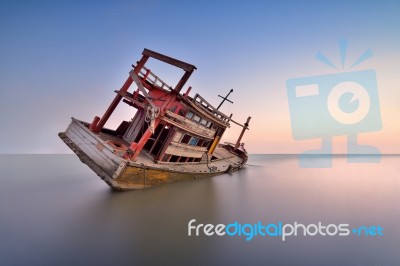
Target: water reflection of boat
171 137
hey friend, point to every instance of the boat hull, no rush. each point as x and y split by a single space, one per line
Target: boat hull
122 174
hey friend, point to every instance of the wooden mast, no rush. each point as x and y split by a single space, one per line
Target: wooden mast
246 126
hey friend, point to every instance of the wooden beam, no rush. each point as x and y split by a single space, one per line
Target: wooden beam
183 81
244 126
169 60
97 128
186 129
145 137
136 102
155 141
139 84
166 144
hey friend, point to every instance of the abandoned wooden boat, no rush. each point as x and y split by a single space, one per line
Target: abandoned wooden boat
171 137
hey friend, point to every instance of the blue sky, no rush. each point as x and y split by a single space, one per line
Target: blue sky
65 58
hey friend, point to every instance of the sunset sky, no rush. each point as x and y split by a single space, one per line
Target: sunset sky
62 59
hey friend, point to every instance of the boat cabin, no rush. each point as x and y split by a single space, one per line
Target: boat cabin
168 126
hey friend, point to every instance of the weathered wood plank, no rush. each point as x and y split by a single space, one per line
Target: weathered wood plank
192 126
179 149
94 147
169 60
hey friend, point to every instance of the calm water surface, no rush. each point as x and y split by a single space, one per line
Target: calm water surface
55 211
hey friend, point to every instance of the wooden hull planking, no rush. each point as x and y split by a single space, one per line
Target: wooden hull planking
121 174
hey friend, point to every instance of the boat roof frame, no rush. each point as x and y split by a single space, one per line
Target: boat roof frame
169 60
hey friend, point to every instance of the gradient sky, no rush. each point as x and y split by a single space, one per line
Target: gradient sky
65 58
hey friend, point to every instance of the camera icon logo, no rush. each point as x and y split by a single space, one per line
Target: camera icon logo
331 105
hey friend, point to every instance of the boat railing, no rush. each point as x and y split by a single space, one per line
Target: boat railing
211 109
153 79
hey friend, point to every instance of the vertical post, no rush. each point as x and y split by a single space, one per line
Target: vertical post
156 140
139 146
118 97
214 145
166 143
187 92
93 125
112 107
246 125
183 80
146 75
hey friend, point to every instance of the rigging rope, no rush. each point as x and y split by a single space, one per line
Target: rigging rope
152 110
151 115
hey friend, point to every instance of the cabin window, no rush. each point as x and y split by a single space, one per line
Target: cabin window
186 139
198 119
174 159
200 143
193 141
183 159
205 143
189 115
197 160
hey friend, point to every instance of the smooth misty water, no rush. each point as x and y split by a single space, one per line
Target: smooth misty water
55 211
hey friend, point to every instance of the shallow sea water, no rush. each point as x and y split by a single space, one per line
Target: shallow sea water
55 211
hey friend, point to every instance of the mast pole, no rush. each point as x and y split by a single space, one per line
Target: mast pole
225 99
246 126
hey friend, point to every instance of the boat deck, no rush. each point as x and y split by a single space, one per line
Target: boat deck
103 153
221 164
